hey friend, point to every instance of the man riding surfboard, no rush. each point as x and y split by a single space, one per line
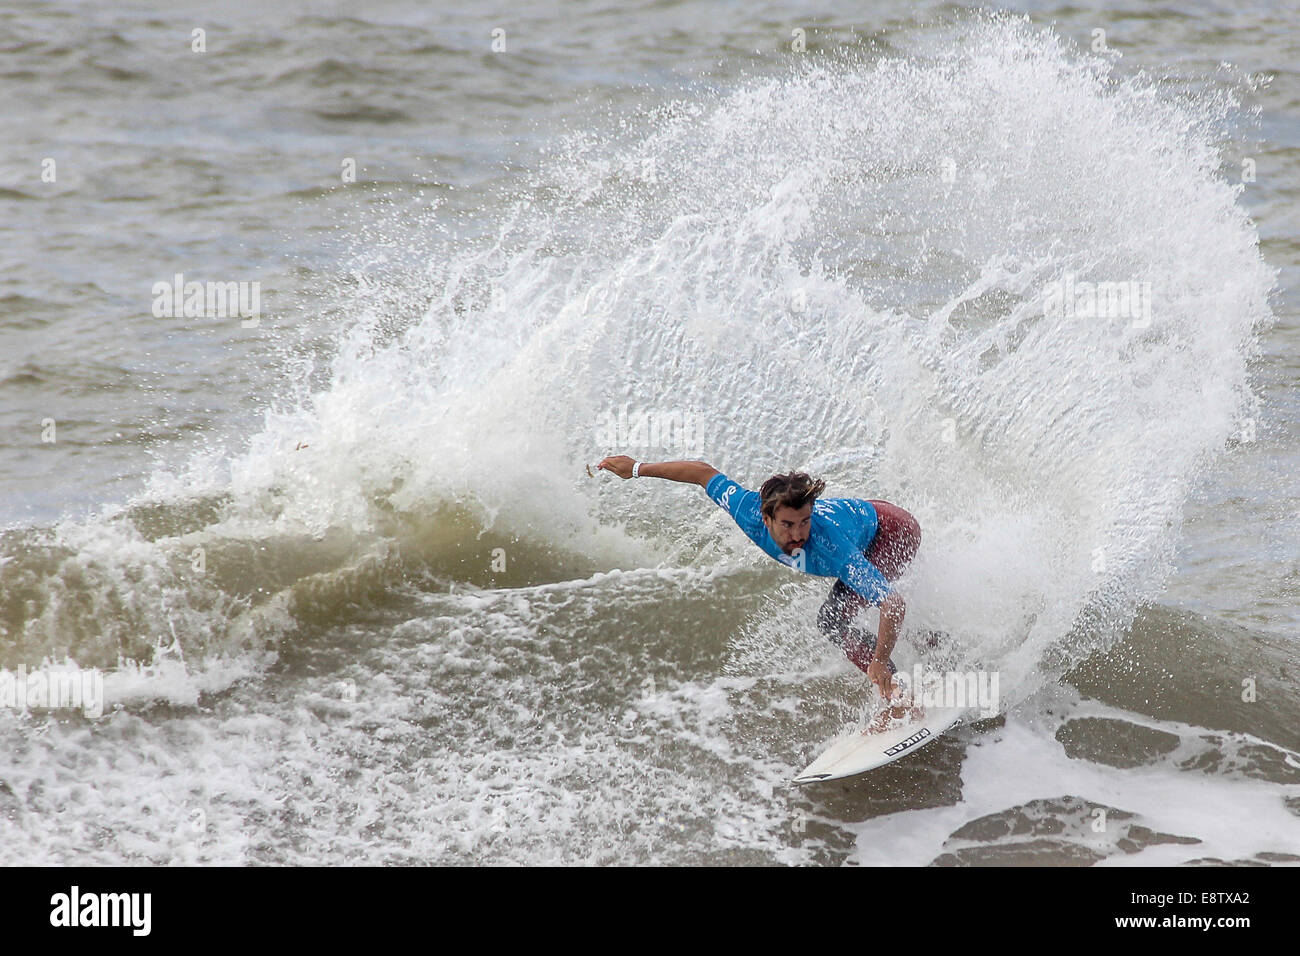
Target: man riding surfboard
864 543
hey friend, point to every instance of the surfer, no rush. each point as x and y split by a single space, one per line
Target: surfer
864 543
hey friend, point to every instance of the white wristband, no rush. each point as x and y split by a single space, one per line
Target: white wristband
636 469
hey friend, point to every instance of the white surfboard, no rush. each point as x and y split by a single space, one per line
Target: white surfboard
861 750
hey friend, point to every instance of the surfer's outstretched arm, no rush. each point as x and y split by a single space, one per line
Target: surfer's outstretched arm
690 472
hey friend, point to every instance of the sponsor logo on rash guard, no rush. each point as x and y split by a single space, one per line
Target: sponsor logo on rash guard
726 496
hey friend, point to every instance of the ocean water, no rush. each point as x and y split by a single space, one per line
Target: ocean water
351 591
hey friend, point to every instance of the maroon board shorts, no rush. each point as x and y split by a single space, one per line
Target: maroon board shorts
898 535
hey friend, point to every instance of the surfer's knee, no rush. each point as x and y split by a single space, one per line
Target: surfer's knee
860 648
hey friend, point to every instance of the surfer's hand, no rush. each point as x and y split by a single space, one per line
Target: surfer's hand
878 671
620 465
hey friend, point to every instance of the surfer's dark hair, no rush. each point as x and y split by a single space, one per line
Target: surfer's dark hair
791 491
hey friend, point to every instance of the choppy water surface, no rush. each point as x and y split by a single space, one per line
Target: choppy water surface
353 593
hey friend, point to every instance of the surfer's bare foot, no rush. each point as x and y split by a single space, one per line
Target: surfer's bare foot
897 711
885 720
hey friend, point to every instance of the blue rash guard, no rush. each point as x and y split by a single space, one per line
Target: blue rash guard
842 531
